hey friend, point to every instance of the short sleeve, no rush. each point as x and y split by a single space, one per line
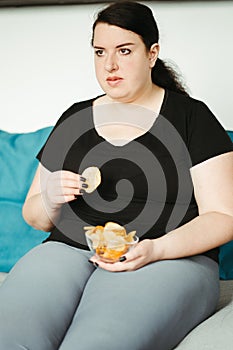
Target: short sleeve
206 138
64 134
63 117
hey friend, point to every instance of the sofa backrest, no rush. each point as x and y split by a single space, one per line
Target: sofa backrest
17 168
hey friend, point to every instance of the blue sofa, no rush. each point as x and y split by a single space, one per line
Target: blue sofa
18 165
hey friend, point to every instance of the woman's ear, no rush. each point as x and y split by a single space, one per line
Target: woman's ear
153 54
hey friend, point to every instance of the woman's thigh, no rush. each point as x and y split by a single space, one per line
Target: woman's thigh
152 308
40 296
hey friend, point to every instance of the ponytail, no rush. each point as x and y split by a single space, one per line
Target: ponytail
165 76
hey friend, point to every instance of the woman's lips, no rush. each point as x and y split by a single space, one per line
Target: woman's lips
113 81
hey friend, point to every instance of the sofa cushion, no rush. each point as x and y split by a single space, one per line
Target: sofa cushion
215 333
18 165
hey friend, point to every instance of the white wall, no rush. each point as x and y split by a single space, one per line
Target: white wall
46 60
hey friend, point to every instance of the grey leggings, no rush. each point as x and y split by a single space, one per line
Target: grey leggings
55 299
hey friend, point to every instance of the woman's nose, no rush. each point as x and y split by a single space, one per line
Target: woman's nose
111 63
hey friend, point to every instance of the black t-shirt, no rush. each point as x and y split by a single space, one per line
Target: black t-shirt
146 184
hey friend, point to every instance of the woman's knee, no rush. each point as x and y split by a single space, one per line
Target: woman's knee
51 258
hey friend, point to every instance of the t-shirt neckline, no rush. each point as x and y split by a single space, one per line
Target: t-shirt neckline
163 105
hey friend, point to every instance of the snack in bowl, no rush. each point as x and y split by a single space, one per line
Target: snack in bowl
111 241
93 178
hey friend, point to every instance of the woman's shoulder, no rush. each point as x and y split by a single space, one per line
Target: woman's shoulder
202 132
186 110
183 100
75 108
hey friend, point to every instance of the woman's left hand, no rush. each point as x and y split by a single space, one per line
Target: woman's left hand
142 254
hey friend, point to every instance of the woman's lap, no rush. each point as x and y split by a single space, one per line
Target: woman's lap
151 308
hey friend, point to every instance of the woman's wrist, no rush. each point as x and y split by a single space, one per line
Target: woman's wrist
50 207
158 252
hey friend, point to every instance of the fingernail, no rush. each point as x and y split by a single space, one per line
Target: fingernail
82 191
83 179
84 185
122 258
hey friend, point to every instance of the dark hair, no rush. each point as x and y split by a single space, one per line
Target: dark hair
139 19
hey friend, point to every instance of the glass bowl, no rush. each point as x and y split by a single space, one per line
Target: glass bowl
110 250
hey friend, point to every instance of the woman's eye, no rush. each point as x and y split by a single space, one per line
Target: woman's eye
125 51
99 52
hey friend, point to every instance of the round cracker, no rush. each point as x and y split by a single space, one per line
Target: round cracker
113 226
93 178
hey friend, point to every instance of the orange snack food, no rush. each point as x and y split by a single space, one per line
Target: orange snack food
111 241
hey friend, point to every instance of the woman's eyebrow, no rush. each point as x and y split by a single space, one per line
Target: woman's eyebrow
117 47
125 44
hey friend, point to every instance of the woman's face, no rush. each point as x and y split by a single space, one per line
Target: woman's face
122 63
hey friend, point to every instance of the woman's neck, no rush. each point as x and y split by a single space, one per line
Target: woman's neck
152 99
119 123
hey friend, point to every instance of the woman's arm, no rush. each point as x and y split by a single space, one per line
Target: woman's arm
48 192
213 189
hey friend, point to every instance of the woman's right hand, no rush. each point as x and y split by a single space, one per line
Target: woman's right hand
48 191
63 186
